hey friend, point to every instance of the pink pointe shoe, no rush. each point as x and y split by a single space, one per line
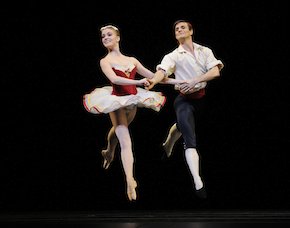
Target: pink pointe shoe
131 190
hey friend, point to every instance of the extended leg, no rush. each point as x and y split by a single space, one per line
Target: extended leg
120 120
127 159
109 153
185 111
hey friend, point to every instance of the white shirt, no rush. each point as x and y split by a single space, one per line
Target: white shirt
185 65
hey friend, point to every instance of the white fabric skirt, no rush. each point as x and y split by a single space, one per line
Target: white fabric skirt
101 100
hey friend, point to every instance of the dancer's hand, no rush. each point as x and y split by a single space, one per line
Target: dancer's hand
143 82
191 87
151 83
158 77
146 83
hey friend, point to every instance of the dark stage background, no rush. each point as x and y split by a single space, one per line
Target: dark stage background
50 146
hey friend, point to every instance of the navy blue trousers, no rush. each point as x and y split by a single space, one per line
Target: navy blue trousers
188 111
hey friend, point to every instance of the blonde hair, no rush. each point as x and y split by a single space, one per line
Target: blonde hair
110 27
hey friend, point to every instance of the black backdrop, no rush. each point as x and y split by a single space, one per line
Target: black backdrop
50 146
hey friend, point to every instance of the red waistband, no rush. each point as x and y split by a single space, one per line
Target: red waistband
196 95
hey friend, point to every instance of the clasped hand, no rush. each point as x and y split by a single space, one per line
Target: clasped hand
188 87
150 83
144 82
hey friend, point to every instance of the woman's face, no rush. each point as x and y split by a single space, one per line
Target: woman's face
109 37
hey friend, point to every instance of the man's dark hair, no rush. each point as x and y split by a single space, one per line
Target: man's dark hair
187 22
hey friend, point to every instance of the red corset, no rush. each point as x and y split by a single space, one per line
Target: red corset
122 90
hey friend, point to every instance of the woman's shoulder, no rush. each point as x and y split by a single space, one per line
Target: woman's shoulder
132 59
106 59
103 60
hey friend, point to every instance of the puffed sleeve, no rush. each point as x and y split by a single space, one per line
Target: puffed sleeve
210 60
167 65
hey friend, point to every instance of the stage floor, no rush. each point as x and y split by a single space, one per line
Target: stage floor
145 219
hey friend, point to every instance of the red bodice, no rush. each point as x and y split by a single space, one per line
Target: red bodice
122 90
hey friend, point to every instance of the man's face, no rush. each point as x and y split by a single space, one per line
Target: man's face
182 31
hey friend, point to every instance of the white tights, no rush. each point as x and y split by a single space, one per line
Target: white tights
127 158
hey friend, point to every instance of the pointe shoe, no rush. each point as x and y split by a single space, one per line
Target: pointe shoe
108 158
131 190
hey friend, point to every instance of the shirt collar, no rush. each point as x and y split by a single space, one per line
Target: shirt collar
196 46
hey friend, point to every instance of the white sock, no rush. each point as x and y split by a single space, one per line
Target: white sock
192 160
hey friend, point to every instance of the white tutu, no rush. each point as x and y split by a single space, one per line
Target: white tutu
101 100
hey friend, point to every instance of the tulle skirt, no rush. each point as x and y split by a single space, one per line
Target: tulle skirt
101 100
